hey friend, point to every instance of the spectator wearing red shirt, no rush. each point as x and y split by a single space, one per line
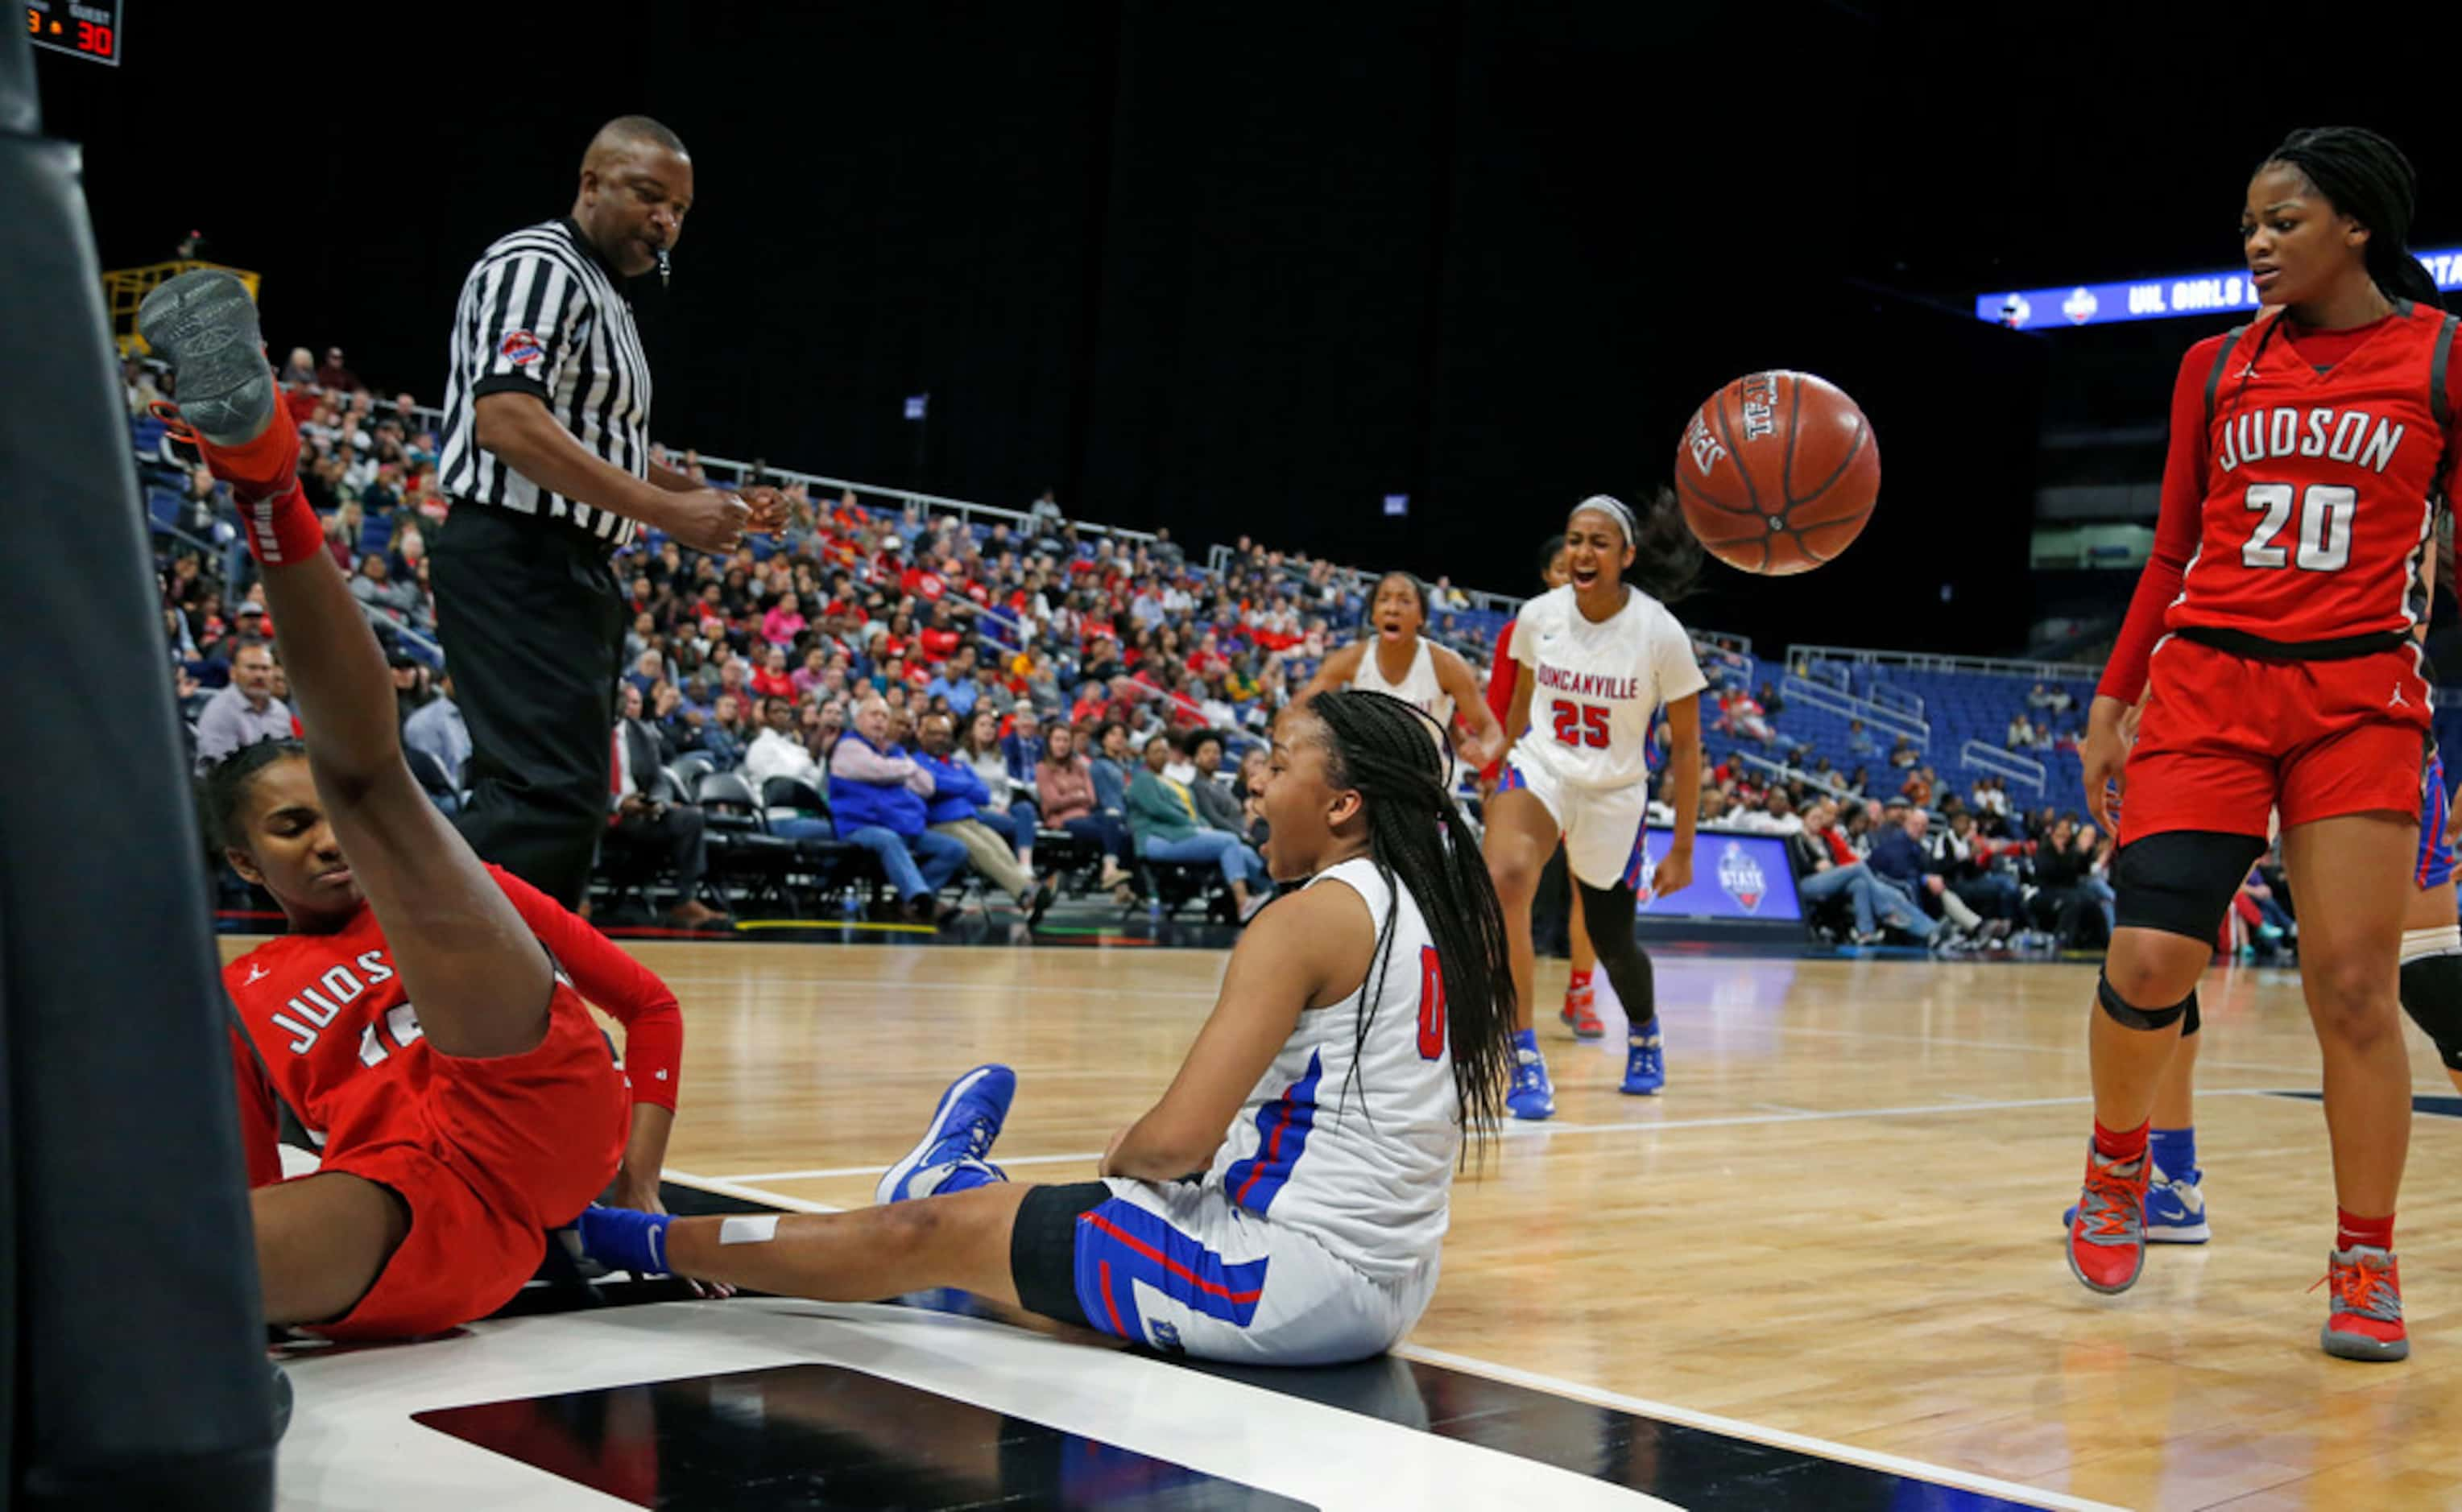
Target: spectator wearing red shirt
940 640
773 680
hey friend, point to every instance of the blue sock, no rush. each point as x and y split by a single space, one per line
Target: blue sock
2175 1151
1526 1040
623 1240
1646 1029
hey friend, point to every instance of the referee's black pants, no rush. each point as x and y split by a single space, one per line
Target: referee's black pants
533 632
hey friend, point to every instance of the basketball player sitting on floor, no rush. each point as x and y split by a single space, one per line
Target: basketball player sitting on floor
453 1136
1361 1026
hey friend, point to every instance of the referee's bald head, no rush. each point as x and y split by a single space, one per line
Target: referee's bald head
631 131
637 185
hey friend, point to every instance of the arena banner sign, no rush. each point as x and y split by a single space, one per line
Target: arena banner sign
1741 877
2155 298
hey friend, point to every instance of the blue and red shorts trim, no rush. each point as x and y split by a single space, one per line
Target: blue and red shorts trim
2436 865
1120 1244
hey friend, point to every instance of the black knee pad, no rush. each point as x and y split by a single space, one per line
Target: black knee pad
2432 993
2149 1019
2180 881
2189 1022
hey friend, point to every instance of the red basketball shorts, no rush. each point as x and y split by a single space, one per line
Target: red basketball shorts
506 1149
2226 740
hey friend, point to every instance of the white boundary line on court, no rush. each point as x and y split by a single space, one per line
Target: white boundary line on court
1558 1386
722 1188
1574 1390
1775 1437
1523 1131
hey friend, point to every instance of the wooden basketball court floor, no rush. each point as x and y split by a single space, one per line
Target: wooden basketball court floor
1834 1240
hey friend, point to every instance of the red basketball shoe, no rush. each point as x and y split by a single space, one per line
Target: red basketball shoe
2106 1246
2365 1322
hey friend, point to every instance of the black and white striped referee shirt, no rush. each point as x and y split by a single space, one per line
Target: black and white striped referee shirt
541 313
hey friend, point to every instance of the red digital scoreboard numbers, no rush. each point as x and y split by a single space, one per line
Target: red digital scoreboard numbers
79 28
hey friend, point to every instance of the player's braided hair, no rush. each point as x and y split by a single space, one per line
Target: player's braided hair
222 792
2367 178
1666 555
1418 839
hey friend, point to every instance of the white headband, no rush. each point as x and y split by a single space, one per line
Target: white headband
1611 506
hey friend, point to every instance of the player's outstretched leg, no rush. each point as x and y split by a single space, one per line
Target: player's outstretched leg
478 976
1521 833
945 1218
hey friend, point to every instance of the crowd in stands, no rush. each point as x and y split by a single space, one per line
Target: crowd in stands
943 692
1017 701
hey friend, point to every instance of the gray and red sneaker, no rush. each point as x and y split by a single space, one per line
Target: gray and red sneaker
2107 1246
2365 1322
1581 1012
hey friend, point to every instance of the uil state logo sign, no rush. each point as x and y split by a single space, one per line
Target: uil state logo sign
1742 876
522 349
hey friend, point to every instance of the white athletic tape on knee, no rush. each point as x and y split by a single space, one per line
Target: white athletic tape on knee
748 1230
2418 945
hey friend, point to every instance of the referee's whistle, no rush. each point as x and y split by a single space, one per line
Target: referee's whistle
664 269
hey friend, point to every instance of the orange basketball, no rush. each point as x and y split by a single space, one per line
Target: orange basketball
1778 473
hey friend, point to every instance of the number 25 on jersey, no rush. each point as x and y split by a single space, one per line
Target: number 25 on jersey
1581 724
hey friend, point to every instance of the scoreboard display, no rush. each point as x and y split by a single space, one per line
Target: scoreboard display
86 28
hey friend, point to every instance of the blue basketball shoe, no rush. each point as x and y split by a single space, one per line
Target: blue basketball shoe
1645 1065
1533 1096
2175 1209
949 1157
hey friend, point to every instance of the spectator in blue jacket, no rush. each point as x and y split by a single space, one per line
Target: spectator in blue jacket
1899 857
874 784
777 752
958 792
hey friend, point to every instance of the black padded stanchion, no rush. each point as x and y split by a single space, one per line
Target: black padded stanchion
136 1354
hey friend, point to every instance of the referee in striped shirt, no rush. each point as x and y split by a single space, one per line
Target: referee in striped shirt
547 461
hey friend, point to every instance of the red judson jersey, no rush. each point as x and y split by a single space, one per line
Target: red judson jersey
339 1042
2300 490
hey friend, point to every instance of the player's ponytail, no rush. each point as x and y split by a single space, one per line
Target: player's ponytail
1666 555
2367 178
1418 840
